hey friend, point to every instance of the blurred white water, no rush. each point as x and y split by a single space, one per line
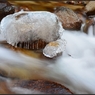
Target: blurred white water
76 72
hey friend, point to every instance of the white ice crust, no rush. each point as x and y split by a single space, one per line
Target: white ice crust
26 26
52 51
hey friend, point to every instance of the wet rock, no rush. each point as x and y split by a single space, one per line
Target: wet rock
42 86
89 26
5 8
69 18
90 8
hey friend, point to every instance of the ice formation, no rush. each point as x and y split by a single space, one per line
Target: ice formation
25 26
1 37
54 48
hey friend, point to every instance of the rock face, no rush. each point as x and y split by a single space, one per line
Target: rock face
5 8
44 87
26 27
89 27
69 18
90 8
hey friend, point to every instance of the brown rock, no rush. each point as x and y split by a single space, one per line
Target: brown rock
90 8
42 86
90 23
69 18
5 8
81 14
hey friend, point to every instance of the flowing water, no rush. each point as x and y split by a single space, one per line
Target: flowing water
74 68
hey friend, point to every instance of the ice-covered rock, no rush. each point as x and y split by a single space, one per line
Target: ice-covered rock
25 26
54 48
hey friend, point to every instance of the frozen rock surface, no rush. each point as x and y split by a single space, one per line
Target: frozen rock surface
27 26
54 48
